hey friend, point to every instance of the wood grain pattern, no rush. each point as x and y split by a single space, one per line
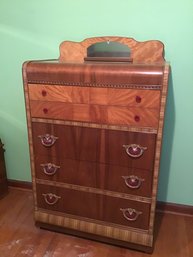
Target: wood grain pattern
148 51
113 115
161 207
97 125
137 117
137 198
99 96
134 98
134 236
94 145
159 144
97 207
91 174
108 75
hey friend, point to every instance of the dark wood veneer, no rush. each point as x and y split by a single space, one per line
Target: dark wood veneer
92 174
97 145
93 206
164 207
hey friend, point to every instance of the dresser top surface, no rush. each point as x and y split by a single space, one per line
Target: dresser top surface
96 73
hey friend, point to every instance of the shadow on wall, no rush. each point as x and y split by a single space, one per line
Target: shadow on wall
17 45
13 122
168 135
14 135
43 41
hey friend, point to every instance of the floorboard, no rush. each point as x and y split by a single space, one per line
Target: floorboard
19 236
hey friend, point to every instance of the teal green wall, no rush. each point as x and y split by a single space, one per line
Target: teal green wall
34 30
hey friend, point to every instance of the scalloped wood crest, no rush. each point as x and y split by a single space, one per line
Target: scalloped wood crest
151 51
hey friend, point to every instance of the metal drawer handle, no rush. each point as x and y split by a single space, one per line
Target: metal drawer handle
49 168
130 214
47 139
50 198
134 150
132 181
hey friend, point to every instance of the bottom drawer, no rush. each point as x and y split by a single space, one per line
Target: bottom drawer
94 206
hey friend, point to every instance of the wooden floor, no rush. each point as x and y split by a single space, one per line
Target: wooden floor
19 237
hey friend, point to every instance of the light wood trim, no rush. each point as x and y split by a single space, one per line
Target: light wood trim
96 125
148 51
158 146
94 228
112 115
121 115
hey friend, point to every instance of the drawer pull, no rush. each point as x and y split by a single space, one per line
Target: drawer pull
49 168
130 214
138 99
132 181
45 110
137 118
44 93
50 198
47 140
134 150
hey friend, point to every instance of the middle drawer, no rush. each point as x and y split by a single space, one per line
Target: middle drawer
122 148
90 174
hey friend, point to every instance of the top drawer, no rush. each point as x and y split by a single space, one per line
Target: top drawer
99 105
100 96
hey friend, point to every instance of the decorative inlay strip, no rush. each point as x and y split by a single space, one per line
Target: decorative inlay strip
158 146
100 222
83 84
26 92
124 234
95 125
94 190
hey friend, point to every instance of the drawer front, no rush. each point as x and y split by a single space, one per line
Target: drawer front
112 115
125 180
102 105
90 174
97 96
68 201
137 117
130 149
67 142
98 207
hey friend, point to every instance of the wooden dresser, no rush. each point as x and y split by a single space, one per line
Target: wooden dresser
3 176
95 134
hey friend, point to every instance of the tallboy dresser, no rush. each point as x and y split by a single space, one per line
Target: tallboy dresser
95 133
